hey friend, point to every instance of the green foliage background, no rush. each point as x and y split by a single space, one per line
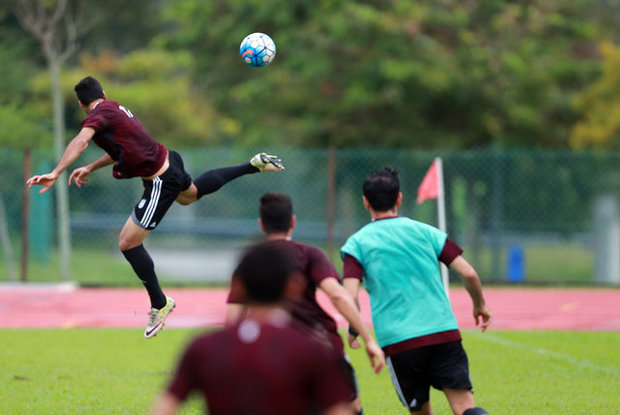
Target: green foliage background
424 74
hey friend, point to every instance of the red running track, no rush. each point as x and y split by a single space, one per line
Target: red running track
513 308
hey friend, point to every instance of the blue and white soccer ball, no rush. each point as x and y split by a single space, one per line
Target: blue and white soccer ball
257 49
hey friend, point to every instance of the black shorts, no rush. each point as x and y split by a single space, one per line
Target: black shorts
442 366
160 193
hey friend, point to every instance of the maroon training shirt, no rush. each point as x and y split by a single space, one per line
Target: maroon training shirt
119 132
315 266
261 369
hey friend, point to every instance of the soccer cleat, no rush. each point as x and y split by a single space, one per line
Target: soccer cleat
266 162
157 318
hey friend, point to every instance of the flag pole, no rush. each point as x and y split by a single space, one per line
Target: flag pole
441 219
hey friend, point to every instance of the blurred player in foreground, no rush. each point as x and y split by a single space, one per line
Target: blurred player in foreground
398 260
277 222
261 365
134 153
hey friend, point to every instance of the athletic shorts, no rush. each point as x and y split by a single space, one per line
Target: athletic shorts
442 366
160 193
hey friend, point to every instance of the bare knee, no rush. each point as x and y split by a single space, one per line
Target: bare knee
185 200
125 244
131 235
188 196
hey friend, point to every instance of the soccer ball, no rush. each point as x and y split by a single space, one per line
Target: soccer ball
257 49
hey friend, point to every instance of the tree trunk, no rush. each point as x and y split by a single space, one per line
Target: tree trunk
61 186
27 170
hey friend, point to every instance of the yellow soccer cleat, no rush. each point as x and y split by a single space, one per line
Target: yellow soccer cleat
157 318
266 162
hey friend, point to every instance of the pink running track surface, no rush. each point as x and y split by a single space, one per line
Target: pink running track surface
513 308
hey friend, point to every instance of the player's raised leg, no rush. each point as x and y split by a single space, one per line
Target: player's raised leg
212 180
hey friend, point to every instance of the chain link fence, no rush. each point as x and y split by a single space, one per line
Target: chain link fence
521 216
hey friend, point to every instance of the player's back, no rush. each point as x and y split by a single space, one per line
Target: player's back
268 369
315 267
121 134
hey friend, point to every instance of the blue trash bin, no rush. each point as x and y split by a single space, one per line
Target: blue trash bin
516 266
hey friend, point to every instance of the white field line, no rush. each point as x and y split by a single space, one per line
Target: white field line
545 352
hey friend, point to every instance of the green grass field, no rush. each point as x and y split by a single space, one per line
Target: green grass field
116 371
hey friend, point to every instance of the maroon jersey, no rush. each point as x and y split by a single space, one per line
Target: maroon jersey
261 369
315 266
122 136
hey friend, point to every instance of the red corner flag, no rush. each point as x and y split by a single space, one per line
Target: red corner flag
429 188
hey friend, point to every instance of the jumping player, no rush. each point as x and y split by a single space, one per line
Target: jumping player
134 153
398 260
277 222
261 365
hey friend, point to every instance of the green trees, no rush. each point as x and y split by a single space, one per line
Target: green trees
599 104
424 74
401 73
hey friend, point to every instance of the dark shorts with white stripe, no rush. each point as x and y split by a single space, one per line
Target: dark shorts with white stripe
442 366
160 193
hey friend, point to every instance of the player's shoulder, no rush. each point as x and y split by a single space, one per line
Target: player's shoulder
302 249
108 104
105 108
298 335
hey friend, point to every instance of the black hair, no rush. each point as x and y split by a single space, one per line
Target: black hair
88 90
381 189
264 271
276 211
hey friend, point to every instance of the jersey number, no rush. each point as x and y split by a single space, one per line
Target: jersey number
126 111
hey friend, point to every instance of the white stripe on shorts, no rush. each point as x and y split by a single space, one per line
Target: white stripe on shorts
399 391
154 200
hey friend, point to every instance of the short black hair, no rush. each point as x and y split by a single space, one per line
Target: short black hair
88 90
264 270
381 189
276 211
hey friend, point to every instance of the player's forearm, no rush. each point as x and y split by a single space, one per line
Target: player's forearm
474 288
349 310
102 161
470 280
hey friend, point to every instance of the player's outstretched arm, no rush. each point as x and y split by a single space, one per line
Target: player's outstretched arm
344 303
74 149
79 176
482 314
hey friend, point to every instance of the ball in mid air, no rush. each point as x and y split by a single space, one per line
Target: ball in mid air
257 49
